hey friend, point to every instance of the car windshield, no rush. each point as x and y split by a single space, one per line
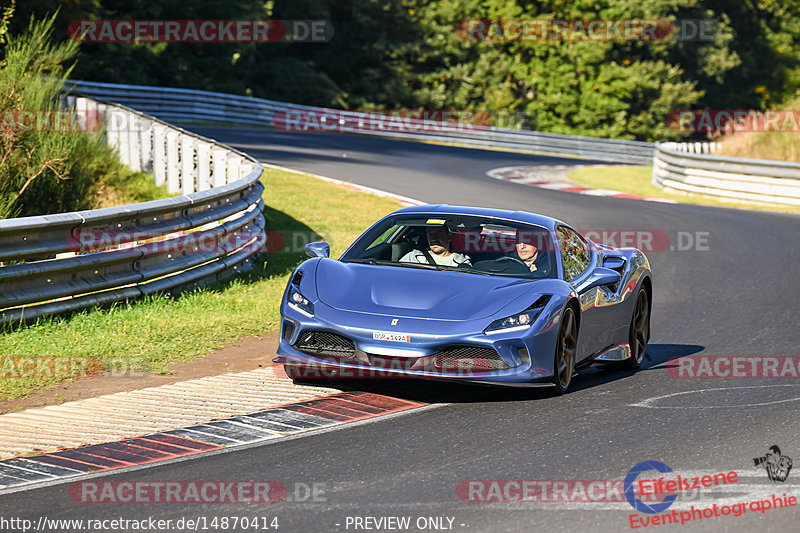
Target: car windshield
470 244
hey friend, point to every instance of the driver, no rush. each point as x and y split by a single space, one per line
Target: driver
438 252
527 252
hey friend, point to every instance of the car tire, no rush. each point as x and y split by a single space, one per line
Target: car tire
638 335
639 332
566 351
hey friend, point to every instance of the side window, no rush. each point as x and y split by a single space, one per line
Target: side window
382 237
574 252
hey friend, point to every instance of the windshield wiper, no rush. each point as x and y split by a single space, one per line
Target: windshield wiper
367 260
415 265
371 261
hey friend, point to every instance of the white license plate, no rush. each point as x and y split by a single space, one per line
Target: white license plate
388 336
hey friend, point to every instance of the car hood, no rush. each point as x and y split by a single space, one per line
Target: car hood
414 292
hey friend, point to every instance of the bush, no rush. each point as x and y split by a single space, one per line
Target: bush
51 171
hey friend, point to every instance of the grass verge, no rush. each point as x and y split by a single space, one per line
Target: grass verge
115 184
772 144
638 180
153 333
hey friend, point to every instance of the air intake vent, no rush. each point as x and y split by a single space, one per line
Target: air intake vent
462 359
288 329
540 302
326 344
297 277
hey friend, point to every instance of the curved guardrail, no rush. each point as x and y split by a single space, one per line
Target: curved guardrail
56 263
189 106
692 168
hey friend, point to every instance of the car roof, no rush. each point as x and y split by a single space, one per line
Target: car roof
517 216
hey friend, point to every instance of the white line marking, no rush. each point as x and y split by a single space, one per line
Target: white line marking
649 403
377 192
600 192
556 185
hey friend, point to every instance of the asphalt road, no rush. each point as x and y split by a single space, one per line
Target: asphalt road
732 296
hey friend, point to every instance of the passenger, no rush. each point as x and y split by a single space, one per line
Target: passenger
438 252
527 251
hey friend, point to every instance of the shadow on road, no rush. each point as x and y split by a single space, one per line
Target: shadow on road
658 354
430 391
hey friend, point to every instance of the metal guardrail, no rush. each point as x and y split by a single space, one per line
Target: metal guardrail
188 106
692 168
57 263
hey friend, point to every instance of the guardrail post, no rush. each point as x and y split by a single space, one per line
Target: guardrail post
132 125
112 132
78 103
220 162
159 155
83 108
173 170
102 111
203 166
245 168
188 177
234 168
146 144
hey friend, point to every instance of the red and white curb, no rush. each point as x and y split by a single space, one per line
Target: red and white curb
270 424
123 415
555 177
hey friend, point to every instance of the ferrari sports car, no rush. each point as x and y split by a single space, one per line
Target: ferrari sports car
466 293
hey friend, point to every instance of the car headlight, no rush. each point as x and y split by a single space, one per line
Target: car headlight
520 321
300 302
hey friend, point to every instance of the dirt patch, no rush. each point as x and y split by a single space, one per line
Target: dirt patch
247 353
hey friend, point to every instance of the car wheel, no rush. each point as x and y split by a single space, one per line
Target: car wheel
639 332
566 351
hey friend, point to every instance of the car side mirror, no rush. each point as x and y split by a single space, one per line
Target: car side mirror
318 249
613 262
604 276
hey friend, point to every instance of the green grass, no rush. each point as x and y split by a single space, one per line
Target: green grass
153 333
638 180
115 184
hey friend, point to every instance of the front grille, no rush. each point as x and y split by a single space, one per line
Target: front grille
468 359
326 344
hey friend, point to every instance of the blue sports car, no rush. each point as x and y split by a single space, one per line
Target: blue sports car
466 293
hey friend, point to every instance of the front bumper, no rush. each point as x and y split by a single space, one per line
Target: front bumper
524 357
